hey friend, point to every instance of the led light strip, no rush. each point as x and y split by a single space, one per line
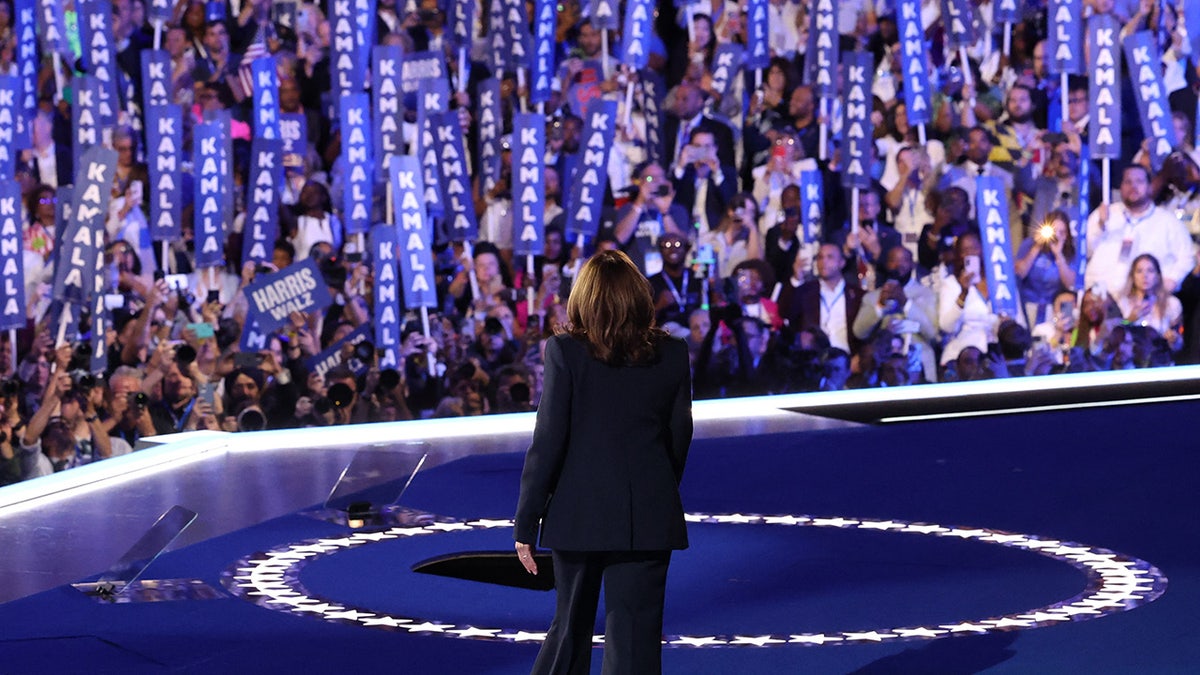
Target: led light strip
1115 583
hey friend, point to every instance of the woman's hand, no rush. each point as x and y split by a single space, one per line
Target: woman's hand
525 555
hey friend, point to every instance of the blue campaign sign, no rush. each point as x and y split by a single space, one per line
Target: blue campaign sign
858 150
603 13
812 204
208 206
100 54
635 38
456 180
10 88
266 97
727 62
758 47
85 116
491 118
1145 69
1104 89
417 67
386 275
98 334
543 50
991 209
265 181
653 91
497 36
359 183
415 234
1079 222
214 10
332 357
82 239
345 71
958 19
462 21
164 140
516 29
293 129
1006 11
298 287
27 56
825 53
12 258
160 11
586 198
364 30
156 78
914 62
433 98
51 26
529 183
1064 48
388 137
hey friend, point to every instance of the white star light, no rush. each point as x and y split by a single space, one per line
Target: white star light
870 636
343 542
408 531
1040 543
833 522
965 534
319 608
921 632
1091 557
426 627
471 632
880 525
965 627
313 548
1006 622
1073 611
737 518
758 641
384 621
448 527
1043 617
818 639
485 523
697 641
351 614
784 520
925 529
1071 550
374 536
1004 538
694 517
524 636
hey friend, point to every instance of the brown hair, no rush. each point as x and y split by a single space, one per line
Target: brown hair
611 309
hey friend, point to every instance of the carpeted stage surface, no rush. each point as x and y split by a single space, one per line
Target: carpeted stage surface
1123 479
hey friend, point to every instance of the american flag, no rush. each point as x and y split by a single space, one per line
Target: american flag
256 50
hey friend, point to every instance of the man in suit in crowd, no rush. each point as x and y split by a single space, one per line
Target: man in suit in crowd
703 186
687 115
828 302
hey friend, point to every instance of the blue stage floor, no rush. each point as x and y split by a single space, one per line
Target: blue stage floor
957 546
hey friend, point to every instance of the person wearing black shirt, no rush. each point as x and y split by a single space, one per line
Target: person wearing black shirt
677 291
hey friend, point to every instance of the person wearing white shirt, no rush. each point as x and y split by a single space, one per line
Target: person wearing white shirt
964 310
1120 232
906 196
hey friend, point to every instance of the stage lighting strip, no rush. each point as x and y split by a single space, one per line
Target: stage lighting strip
1115 583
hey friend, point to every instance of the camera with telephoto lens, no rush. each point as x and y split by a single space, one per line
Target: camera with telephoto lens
82 379
185 354
138 400
364 351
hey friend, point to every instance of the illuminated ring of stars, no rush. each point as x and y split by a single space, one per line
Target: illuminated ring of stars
1115 583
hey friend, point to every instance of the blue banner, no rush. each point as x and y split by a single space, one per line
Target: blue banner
156 78
586 199
12 257
283 13
364 35
603 13
1145 69
727 61
545 20
85 116
517 37
491 120
25 21
80 243
100 54
1104 88
529 183
433 98
858 131
208 215
52 27
825 54
417 67
758 47
1079 222
1191 20
1006 11
456 180
386 275
462 22
293 129
10 89
266 97
635 38
214 10
160 11
332 357
497 37
1064 46
98 332
264 182
298 287
958 20
64 207
812 205
164 142
225 119
388 128
914 62
358 183
344 52
254 338
415 235
653 91
991 209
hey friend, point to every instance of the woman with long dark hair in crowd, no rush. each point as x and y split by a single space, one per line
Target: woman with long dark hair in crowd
607 505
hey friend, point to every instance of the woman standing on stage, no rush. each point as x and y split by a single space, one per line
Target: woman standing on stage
601 476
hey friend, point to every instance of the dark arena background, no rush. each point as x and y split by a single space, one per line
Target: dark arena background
1030 525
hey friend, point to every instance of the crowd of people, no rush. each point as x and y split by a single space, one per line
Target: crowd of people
892 291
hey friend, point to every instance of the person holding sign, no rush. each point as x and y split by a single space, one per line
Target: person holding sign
607 505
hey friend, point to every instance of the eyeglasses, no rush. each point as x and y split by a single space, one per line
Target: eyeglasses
46 201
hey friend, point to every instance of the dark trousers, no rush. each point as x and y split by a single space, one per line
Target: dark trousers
634 585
